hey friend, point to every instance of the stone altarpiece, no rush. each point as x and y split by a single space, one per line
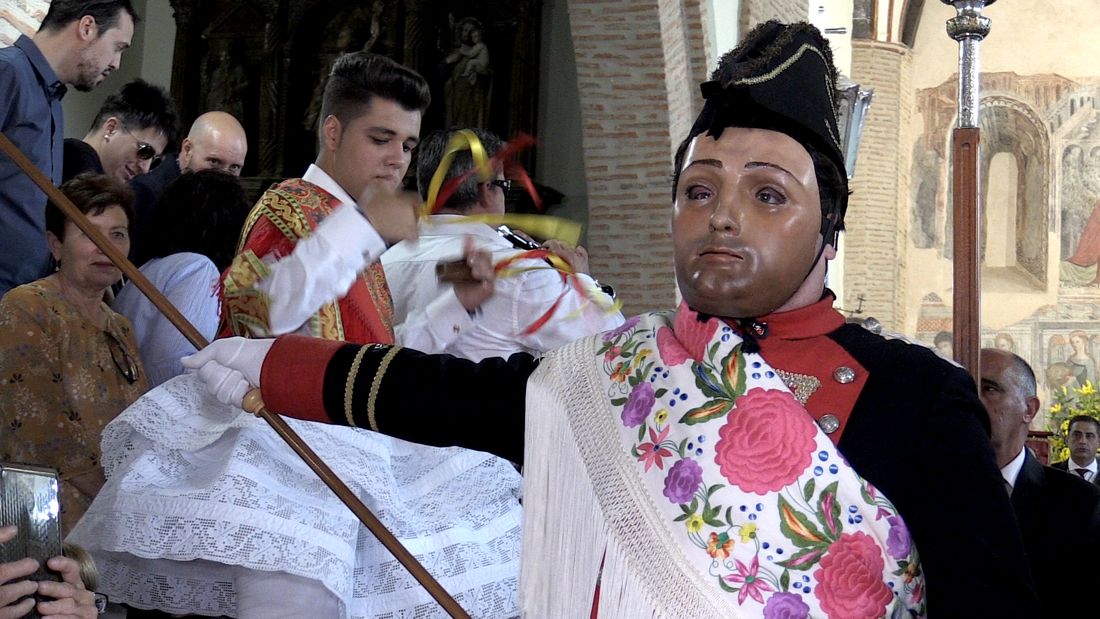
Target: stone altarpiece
265 60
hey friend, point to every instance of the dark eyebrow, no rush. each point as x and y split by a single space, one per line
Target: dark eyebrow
764 164
715 163
992 383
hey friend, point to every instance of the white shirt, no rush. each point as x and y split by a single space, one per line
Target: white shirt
323 266
425 310
1011 470
190 281
1091 468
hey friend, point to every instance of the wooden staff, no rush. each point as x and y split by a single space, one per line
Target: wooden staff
968 27
253 401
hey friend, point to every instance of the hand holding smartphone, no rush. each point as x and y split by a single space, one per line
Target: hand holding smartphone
30 501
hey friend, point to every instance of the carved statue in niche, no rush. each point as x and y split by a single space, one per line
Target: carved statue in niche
354 23
469 85
227 85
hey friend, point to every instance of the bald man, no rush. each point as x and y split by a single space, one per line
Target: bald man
216 141
1059 513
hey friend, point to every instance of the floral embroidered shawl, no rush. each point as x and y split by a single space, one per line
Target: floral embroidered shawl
685 475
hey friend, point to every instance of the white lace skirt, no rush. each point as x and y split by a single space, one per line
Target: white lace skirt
197 490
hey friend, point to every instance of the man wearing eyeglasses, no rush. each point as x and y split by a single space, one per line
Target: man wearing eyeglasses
535 311
78 45
131 129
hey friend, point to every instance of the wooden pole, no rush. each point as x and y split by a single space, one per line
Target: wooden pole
966 235
968 28
253 399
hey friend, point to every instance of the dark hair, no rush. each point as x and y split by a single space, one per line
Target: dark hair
1083 418
91 194
429 154
200 212
105 12
357 77
141 105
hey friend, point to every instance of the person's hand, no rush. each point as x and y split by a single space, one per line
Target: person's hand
230 367
391 213
70 599
577 257
13 583
475 291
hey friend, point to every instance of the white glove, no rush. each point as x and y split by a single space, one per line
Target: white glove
230 367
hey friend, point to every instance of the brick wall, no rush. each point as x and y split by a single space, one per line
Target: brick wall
877 219
638 69
20 17
754 12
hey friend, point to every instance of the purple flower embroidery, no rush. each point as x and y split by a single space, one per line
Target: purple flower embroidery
638 404
898 542
683 480
621 329
786 606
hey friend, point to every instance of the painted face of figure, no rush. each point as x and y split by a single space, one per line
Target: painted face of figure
745 223
375 148
1083 441
81 261
1079 343
103 50
127 153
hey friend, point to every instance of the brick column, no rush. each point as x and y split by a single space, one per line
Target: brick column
754 12
638 70
878 212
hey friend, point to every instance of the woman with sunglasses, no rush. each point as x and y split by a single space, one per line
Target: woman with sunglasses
68 363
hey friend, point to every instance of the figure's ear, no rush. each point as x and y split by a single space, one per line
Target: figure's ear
55 245
331 129
110 126
87 28
1032 408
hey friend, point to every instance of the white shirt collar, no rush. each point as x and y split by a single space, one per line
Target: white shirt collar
1073 466
319 177
1011 470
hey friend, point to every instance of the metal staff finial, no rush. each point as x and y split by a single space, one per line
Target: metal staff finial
968 27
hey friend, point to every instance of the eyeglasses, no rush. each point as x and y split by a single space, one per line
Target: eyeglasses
123 361
504 184
145 151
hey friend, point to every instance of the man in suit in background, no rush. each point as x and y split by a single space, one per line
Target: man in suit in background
1083 439
1059 514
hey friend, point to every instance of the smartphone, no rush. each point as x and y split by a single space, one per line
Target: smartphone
30 499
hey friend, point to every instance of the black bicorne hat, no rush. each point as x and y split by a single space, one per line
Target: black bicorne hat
781 77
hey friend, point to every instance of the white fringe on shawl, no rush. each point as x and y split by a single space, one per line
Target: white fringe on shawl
568 529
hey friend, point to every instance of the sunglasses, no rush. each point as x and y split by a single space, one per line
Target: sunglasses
123 361
145 151
504 184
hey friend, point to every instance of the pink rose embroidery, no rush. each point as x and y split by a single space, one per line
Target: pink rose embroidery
672 353
766 443
849 579
688 338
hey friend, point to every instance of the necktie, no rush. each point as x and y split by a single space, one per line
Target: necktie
1084 473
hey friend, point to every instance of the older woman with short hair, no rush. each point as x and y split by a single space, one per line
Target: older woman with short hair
68 363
